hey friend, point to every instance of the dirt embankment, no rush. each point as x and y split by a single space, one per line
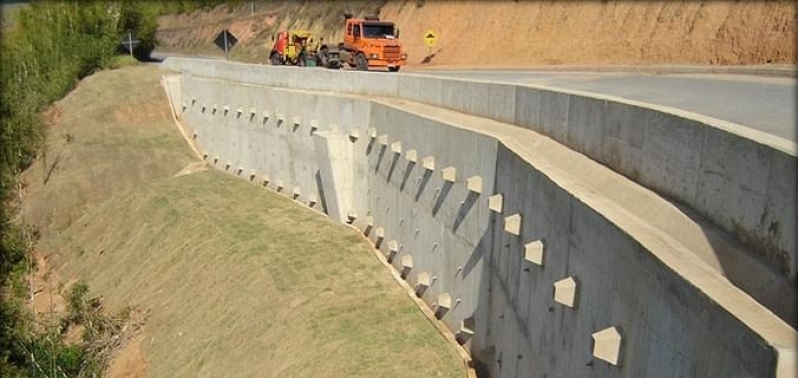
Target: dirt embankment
524 32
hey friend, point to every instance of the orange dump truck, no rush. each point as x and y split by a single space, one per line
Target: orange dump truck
369 43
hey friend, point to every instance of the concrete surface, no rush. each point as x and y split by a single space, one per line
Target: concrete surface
660 147
679 291
763 103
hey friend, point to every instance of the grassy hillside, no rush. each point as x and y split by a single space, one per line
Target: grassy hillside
238 279
235 280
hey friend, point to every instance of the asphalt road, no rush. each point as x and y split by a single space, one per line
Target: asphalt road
764 103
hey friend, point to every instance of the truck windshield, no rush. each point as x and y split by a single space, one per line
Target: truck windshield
378 30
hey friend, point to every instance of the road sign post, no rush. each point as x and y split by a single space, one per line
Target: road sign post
429 39
225 41
129 42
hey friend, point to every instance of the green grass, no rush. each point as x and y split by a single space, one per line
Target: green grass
241 279
236 278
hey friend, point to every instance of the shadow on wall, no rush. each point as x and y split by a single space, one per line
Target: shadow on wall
618 312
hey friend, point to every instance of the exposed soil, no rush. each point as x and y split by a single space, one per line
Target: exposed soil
129 361
518 33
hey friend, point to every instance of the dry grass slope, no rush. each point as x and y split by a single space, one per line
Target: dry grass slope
238 281
241 280
113 132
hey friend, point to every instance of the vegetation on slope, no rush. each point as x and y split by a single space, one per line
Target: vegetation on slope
240 279
233 278
258 287
45 51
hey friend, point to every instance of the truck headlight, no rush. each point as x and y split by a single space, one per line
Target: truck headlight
374 56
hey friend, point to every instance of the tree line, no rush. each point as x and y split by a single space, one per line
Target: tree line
44 52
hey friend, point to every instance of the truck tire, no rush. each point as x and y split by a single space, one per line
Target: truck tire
324 59
274 59
361 62
394 69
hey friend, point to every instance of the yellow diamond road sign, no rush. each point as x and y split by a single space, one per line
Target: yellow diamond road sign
430 37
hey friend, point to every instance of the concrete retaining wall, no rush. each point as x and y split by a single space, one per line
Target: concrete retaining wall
368 163
740 178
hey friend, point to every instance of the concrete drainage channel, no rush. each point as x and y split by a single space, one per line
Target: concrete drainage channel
529 253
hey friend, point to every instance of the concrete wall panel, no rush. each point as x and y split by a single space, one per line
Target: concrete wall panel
664 320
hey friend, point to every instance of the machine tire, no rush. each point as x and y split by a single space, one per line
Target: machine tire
394 69
324 59
361 62
274 59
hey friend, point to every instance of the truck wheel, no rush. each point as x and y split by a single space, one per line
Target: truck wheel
361 62
324 59
275 59
393 69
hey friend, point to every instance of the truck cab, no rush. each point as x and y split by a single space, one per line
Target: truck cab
372 43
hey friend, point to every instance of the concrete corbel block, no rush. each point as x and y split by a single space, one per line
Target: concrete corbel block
266 180
314 124
407 261
252 113
449 174
252 175
411 155
512 224
533 252
203 109
351 216
227 166
215 108
496 203
226 109
372 132
407 265
428 163
193 101
466 331
297 192
474 184
194 135
280 118
565 291
382 140
184 106
393 249
312 200
265 116
607 345
204 156
396 147
279 185
239 170
443 305
215 159
239 112
354 135
423 281
369 225
297 120
379 237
